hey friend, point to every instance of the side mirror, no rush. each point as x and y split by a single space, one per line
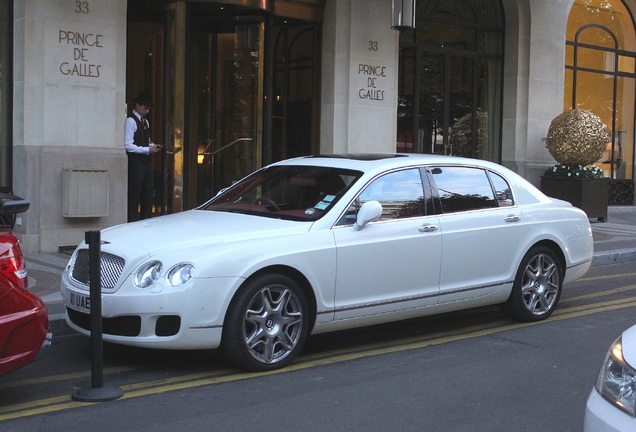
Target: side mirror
370 211
10 205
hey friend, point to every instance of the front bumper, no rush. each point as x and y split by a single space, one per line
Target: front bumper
190 317
602 416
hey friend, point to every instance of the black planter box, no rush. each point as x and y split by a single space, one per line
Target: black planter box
590 195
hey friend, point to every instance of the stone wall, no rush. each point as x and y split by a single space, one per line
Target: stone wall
69 111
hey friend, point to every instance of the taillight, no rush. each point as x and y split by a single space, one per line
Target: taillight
11 260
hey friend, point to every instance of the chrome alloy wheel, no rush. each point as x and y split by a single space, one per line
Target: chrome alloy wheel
537 287
273 324
541 284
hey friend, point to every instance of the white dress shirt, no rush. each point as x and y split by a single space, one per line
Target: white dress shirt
130 129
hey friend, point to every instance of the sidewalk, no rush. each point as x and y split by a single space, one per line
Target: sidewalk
614 242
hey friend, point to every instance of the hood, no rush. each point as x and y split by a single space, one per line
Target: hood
195 228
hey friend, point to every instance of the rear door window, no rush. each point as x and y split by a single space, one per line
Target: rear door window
503 193
463 188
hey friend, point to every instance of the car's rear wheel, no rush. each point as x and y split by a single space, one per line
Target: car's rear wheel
266 324
537 286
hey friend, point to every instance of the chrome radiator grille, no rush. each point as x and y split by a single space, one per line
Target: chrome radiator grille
111 267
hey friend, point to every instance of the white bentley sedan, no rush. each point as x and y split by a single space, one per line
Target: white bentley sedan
317 244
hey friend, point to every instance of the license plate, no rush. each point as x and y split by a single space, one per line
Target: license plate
80 302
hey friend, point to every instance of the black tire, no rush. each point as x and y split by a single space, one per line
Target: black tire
266 323
537 287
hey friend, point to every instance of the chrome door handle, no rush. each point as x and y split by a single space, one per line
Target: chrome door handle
427 228
512 218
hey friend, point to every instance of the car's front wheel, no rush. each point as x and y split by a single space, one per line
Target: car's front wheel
537 286
266 324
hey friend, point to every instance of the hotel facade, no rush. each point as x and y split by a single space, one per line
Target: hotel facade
237 84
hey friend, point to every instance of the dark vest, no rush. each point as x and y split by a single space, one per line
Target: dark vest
141 137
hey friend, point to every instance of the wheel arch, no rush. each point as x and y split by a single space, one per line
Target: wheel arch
297 277
554 247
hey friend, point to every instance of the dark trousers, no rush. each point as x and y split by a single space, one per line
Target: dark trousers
140 187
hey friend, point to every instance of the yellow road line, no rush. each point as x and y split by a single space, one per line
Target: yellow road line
603 277
61 377
600 293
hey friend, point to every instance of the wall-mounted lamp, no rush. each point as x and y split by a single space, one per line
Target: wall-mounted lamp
403 14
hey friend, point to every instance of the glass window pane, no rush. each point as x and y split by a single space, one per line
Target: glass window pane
594 92
400 193
462 121
225 89
626 64
598 37
458 80
463 189
491 42
611 15
302 193
431 99
448 36
503 193
596 59
608 90
488 94
405 101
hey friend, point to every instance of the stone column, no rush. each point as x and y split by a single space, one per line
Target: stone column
533 81
359 77
69 111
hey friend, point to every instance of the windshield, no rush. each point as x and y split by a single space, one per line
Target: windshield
302 193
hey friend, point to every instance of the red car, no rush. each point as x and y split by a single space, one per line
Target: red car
23 316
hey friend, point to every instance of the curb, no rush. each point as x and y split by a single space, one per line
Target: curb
614 257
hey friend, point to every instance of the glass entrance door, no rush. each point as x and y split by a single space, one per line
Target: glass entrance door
225 113
206 67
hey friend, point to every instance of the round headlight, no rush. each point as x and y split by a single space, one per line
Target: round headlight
148 274
180 274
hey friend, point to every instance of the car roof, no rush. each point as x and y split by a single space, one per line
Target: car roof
371 162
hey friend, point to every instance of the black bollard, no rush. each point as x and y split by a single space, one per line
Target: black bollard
97 392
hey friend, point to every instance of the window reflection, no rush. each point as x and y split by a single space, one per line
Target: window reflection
400 193
450 80
462 189
600 77
302 193
502 190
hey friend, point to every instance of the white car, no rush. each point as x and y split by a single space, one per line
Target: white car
611 406
317 244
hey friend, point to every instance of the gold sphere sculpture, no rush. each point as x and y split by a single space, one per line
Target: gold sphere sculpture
577 136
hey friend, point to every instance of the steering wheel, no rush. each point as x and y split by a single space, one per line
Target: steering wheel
266 200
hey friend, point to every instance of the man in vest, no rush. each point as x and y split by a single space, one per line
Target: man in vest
140 171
